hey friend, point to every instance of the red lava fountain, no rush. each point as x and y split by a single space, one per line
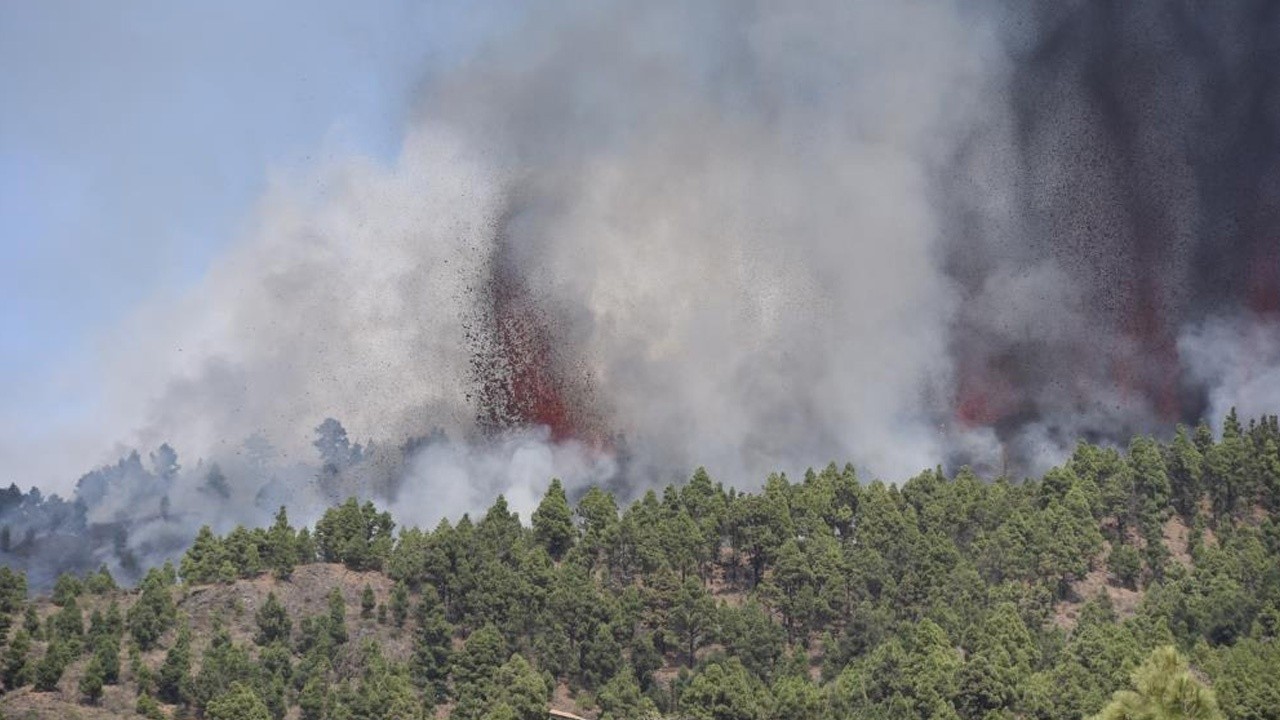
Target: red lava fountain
524 373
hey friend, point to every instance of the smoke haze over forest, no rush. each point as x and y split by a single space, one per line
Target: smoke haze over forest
625 239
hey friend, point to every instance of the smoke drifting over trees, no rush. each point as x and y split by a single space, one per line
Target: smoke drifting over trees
630 238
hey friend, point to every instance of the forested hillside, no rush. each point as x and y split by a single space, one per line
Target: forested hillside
1155 569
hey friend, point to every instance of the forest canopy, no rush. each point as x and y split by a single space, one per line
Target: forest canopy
1134 583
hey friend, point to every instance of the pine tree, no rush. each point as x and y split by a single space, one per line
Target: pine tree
598 512
751 635
306 545
48 671
275 660
553 522
154 612
601 657
999 666
242 552
223 664
273 620
139 672
431 647
66 588
239 703
1225 475
692 618
1150 481
1125 563
500 532
273 696
399 603
682 544
15 669
796 697
725 691
760 524
148 708
337 620
282 546
355 535
1165 690
100 582
13 594
67 625
1186 466
107 654
215 484
173 680
91 682
31 621
929 671
622 699
313 698
522 689
645 659
480 657
790 589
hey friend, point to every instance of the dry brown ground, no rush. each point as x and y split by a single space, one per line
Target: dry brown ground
1176 539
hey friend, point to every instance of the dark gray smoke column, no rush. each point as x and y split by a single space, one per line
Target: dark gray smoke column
1145 170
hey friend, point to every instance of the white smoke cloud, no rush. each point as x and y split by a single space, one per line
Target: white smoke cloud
447 479
736 207
345 299
727 209
1238 358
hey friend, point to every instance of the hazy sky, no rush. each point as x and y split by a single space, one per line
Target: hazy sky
136 136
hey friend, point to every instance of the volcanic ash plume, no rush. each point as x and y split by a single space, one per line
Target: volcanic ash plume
1141 169
630 238
737 258
704 236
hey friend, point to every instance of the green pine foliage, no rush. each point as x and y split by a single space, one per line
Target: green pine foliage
173 681
1165 690
100 582
15 667
13 595
399 603
154 612
92 682
337 618
367 602
432 649
148 708
66 588
240 702
274 623
281 551
553 522
1132 582
355 535
31 620
48 670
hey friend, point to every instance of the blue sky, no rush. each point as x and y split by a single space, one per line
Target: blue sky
136 136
